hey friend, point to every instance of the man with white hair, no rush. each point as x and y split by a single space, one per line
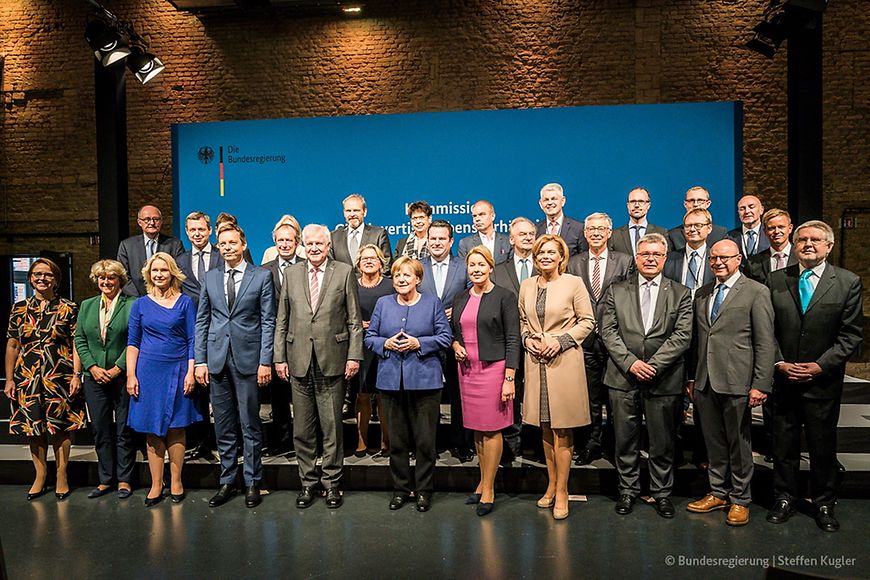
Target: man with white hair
556 222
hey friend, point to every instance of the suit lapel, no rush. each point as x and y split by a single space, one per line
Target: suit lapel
512 274
608 272
327 278
728 298
826 282
791 281
243 286
658 315
634 295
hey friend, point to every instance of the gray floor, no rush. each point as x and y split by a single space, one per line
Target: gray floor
107 538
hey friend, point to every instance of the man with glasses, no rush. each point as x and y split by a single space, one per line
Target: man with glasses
819 326
697 197
688 266
598 268
647 329
730 371
625 238
556 222
135 251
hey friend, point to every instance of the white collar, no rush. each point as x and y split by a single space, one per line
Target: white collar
240 268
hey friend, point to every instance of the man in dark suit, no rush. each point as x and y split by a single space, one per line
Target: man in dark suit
286 238
509 275
688 265
730 371
819 325
777 228
135 251
235 326
346 240
750 236
647 329
556 222
319 343
697 197
483 216
445 276
599 268
624 238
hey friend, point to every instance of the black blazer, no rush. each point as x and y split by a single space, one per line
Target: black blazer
828 333
674 266
505 275
191 286
758 266
571 232
677 238
498 325
621 240
272 266
132 254
617 269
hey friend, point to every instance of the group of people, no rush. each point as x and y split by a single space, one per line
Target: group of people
593 329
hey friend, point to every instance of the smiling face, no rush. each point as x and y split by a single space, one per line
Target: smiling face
286 242
109 284
650 259
778 230
811 246
405 281
552 202
161 277
549 257
749 209
43 280
231 247
316 247
369 263
197 232
478 270
420 223
725 258
439 243
696 228
354 212
597 232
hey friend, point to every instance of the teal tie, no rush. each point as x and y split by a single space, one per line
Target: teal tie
805 288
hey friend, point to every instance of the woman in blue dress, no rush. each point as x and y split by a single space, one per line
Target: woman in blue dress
160 372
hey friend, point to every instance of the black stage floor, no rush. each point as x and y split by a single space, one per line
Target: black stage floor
109 538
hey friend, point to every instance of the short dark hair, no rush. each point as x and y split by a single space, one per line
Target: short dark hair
442 224
420 206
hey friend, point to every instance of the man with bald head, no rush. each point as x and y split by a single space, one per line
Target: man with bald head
730 371
750 236
483 218
697 197
135 251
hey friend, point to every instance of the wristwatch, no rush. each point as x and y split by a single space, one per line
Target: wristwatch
78 374
509 379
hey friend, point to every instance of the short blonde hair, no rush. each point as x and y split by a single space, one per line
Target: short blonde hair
381 256
701 212
483 252
232 227
109 268
403 261
563 249
774 213
176 273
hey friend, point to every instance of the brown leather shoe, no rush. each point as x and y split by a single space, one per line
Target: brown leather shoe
707 504
738 515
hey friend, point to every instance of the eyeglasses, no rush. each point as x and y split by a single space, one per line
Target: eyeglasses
39 275
654 255
525 234
714 259
151 220
601 229
690 227
813 241
638 201
369 259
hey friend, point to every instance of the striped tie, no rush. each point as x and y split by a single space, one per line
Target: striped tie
314 288
596 278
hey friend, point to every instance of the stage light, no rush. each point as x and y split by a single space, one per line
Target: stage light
144 65
108 42
352 9
781 19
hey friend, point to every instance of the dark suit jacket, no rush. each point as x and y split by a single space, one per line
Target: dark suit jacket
758 267
131 253
272 266
763 243
621 240
664 347
371 235
677 239
498 325
736 352
674 266
505 275
828 333
571 232
191 285
617 269
503 246
456 282
90 346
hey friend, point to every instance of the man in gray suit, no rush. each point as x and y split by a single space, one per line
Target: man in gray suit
625 238
599 268
135 251
346 240
730 371
318 346
483 216
235 326
647 329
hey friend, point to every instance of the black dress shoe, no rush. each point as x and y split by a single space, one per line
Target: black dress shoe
825 519
781 511
64 495
424 501
36 494
624 504
177 497
124 493
484 508
224 494
305 498
99 492
333 498
474 498
153 501
398 501
587 456
252 496
665 508
360 453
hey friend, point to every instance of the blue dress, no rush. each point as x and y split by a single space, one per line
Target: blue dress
164 337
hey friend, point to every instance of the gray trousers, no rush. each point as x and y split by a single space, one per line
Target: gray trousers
662 415
317 400
726 423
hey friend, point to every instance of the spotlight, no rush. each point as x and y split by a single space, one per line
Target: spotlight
144 65
769 35
108 43
781 19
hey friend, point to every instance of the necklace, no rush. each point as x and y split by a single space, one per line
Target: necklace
364 285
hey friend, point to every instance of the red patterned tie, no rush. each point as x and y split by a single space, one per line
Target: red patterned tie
314 288
596 278
554 228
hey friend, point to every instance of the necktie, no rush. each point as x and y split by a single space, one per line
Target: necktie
524 269
314 288
750 242
692 274
780 260
200 266
636 234
717 302
805 287
281 265
646 305
353 246
439 279
554 228
596 278
231 289
151 246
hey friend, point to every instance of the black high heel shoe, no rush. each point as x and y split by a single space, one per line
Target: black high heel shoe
153 501
36 494
64 495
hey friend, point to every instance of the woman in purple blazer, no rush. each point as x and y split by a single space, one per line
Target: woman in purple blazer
407 332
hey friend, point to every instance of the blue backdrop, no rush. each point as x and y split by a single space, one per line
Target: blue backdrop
305 167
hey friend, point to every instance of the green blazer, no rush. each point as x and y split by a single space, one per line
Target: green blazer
91 349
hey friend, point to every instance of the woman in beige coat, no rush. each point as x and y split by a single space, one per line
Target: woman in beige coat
555 317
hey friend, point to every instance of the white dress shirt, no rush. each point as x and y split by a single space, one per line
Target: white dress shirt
702 265
602 267
439 274
206 259
785 250
518 265
817 274
489 242
240 273
359 233
320 270
653 295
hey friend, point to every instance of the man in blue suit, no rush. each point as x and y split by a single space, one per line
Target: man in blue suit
688 265
750 236
235 328
445 276
556 222
483 217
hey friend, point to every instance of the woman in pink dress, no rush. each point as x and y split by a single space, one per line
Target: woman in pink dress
486 331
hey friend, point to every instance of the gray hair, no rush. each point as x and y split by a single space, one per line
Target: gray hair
313 229
653 238
829 232
600 215
554 187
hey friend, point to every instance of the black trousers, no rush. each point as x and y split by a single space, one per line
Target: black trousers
460 437
596 364
512 433
282 425
818 417
114 441
412 418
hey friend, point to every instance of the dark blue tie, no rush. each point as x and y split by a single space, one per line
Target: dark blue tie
717 302
692 274
750 242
